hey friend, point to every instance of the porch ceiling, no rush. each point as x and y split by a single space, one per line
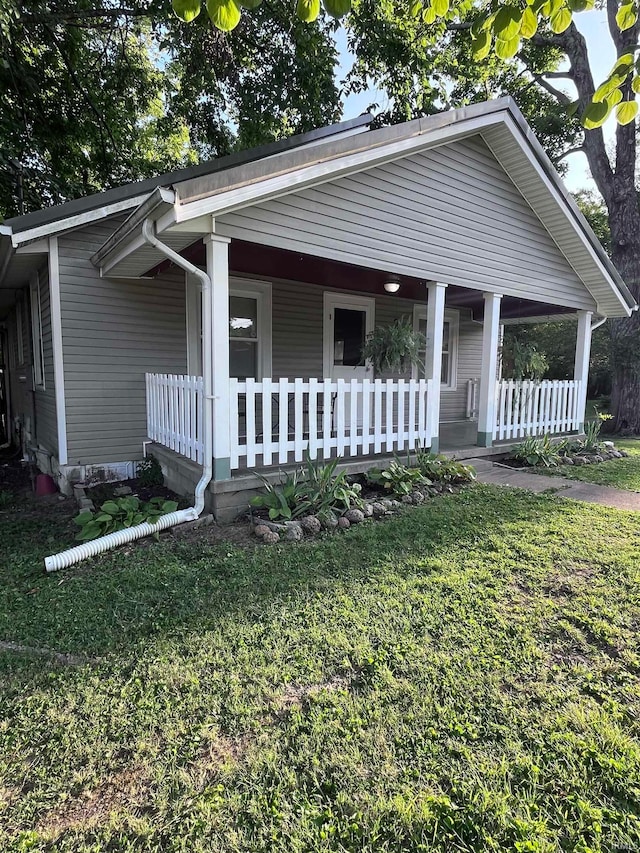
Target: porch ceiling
254 259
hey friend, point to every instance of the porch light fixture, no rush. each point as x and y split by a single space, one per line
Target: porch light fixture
392 284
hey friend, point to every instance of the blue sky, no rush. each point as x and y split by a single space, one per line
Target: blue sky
593 25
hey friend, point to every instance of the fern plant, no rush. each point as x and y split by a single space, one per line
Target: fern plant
394 348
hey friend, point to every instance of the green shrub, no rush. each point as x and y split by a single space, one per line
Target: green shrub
537 451
325 490
283 500
397 479
315 489
120 513
441 469
149 472
592 430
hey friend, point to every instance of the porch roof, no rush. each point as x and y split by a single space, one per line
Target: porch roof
185 213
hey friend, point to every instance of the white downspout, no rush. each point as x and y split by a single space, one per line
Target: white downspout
596 325
129 534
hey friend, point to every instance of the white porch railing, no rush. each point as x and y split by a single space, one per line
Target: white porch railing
174 413
535 408
273 419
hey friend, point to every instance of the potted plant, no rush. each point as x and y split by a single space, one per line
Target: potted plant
394 348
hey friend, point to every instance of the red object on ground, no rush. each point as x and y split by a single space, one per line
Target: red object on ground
45 485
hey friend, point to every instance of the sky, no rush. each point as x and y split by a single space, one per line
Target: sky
593 25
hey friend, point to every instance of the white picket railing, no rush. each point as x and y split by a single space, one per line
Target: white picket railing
535 408
174 413
272 421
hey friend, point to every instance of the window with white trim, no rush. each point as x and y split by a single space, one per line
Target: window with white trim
249 329
449 369
36 332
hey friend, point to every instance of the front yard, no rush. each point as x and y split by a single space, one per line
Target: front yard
462 677
620 473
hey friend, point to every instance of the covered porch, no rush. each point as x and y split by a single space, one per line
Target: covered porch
457 402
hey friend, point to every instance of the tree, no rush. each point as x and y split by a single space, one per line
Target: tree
95 94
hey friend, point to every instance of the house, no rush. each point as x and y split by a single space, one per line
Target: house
268 269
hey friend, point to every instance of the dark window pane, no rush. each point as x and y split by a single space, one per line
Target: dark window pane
444 376
348 336
243 315
243 359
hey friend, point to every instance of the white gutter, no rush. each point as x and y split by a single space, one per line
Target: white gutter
121 537
596 324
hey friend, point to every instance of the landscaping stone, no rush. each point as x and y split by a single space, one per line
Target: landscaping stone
86 503
311 525
407 499
271 538
329 521
387 503
344 522
293 532
367 510
354 516
616 454
609 445
379 509
122 491
580 460
597 457
261 530
417 497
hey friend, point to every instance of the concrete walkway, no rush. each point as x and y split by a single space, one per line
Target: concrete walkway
575 489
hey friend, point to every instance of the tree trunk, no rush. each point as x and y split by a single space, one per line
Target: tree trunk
624 219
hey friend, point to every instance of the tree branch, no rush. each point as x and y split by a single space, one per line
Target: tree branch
561 97
78 15
579 149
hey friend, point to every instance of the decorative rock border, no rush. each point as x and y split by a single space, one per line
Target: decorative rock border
608 451
271 532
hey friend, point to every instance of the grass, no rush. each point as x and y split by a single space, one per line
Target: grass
620 473
464 677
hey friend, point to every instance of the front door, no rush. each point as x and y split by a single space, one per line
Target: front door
347 322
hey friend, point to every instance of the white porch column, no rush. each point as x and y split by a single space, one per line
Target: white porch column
218 272
489 376
433 356
581 369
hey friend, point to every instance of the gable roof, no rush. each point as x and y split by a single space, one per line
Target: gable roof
501 125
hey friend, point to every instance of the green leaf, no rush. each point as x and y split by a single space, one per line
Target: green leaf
429 14
481 45
249 4
110 507
340 8
506 49
84 518
187 10
635 85
308 10
415 8
225 14
626 112
169 506
561 19
529 24
89 531
596 114
507 23
610 85
623 65
626 16
440 7
580 5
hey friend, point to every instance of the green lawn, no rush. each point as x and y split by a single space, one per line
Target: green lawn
464 677
621 473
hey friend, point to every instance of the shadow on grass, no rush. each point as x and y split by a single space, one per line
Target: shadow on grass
112 603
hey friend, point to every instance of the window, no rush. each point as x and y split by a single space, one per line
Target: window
36 333
449 369
249 329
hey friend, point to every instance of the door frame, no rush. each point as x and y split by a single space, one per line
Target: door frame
335 299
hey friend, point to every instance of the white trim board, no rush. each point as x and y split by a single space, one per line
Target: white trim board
332 299
452 317
56 339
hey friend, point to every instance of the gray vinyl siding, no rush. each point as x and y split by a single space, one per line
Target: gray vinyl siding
45 398
297 339
451 214
113 332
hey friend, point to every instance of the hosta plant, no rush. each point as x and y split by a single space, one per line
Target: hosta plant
441 469
537 451
120 513
398 479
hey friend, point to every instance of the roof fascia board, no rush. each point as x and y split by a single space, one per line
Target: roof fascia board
120 253
242 195
524 143
154 203
37 247
77 221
